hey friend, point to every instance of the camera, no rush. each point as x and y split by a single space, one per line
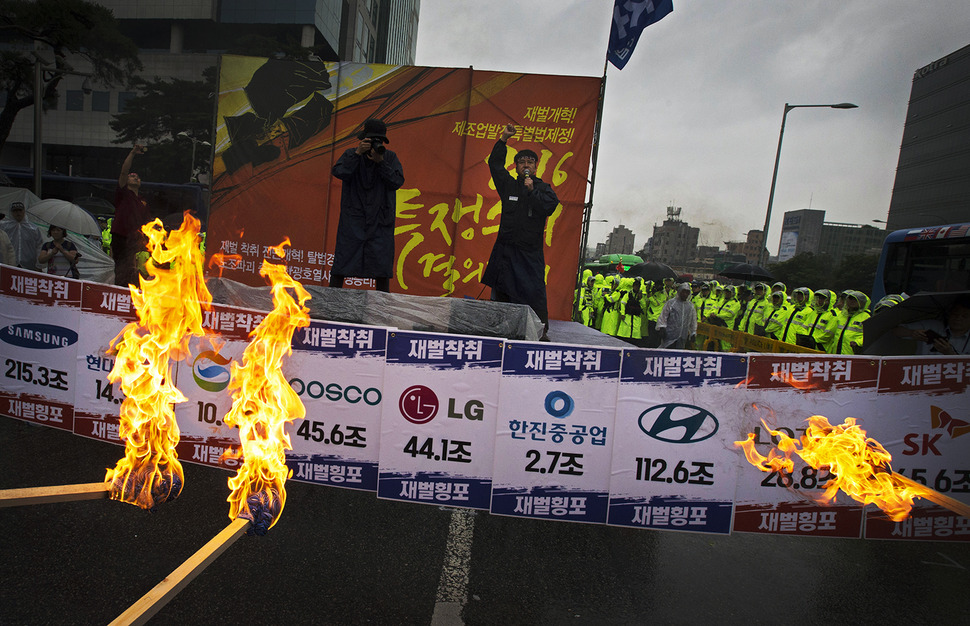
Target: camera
377 145
932 335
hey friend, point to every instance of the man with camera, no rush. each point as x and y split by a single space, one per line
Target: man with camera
949 334
371 174
516 269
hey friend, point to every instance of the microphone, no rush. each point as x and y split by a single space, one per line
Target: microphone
526 172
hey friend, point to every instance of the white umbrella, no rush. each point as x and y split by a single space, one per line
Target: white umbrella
66 215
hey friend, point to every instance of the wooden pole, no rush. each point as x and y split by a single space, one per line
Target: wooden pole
934 496
57 493
149 604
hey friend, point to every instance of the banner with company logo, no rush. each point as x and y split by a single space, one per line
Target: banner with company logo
555 431
783 391
39 334
635 438
671 469
105 312
204 379
337 370
282 124
438 424
922 419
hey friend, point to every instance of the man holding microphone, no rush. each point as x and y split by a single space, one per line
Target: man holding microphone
517 268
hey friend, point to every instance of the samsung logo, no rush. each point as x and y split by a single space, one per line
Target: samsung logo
38 336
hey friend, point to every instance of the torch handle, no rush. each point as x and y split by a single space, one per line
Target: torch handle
934 496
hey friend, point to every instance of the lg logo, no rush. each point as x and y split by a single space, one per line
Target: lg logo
419 405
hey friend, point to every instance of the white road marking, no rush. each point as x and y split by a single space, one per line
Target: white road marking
453 584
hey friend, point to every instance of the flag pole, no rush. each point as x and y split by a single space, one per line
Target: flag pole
588 206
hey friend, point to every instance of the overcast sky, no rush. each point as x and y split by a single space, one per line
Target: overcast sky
693 119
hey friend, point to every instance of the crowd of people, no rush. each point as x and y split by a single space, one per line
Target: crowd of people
660 314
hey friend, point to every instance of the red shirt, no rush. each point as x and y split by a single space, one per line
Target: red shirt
131 212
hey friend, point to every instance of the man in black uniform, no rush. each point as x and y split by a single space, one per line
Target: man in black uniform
517 268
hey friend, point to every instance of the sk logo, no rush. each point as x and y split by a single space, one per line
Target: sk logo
210 371
678 423
418 404
941 419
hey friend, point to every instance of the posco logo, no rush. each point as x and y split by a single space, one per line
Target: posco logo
678 423
559 404
38 336
211 371
334 392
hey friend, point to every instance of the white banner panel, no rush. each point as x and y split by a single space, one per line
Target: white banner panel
38 338
922 417
203 378
784 391
555 431
438 422
673 465
105 311
337 370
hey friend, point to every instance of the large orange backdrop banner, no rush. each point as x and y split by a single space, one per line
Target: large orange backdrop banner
283 124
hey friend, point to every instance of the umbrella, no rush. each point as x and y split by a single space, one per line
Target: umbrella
67 215
95 205
922 306
746 271
652 271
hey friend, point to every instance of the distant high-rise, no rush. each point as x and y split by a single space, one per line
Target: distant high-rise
675 241
620 241
932 183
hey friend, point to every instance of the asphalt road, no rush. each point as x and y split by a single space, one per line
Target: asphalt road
344 557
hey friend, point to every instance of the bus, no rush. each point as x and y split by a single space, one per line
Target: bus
932 258
611 264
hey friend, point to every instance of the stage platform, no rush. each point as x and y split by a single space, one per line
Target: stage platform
459 316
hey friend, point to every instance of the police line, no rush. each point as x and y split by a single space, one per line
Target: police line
709 337
633 438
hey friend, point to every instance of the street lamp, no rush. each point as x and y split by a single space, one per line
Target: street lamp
774 175
195 142
42 75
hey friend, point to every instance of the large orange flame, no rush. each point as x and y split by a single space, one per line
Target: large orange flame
860 464
169 312
264 402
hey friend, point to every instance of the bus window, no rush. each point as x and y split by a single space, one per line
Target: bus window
930 259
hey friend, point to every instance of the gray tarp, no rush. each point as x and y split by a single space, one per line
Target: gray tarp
443 315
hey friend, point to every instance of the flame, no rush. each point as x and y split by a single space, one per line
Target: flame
264 402
219 261
859 463
169 312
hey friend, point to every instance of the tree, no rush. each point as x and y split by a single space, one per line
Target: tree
856 271
68 28
819 271
162 110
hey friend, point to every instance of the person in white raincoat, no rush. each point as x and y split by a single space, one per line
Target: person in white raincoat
677 323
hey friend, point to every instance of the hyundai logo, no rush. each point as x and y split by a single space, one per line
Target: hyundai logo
678 423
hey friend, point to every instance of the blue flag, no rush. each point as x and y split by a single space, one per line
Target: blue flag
630 17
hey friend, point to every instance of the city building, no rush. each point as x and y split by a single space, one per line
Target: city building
806 230
674 242
751 248
620 241
800 232
842 240
932 186
180 40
